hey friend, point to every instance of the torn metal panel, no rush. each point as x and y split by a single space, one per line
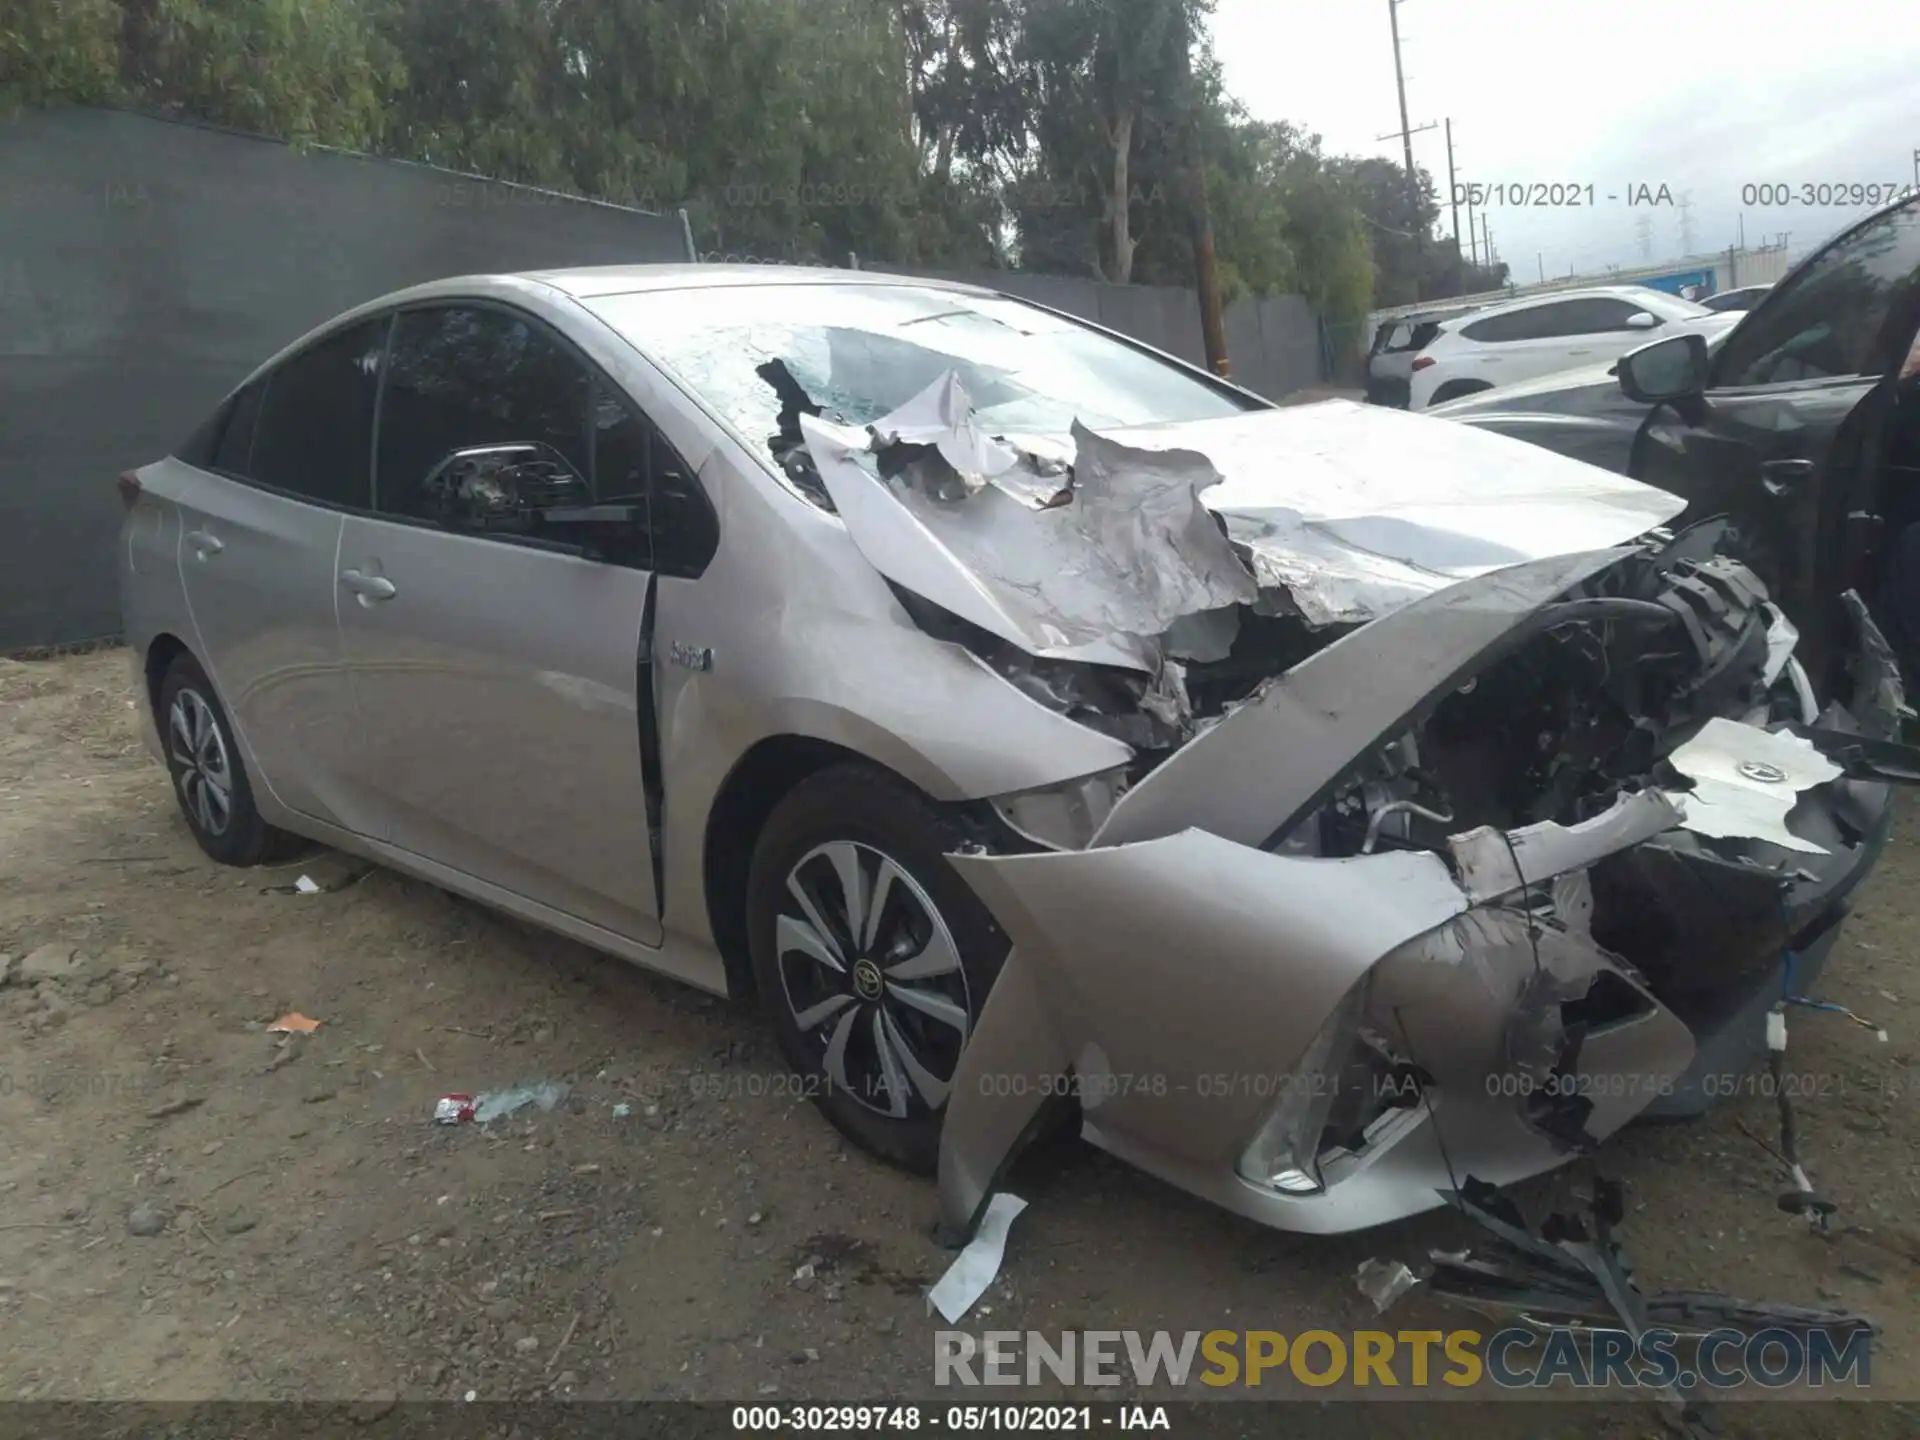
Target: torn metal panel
1357 509
1746 780
1104 955
942 416
1253 773
1507 1022
1133 551
1492 862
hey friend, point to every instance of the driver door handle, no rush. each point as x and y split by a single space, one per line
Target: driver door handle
204 543
368 587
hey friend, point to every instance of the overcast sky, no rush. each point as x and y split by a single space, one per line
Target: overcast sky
1703 96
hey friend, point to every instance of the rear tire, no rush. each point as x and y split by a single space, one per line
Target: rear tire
1456 389
872 1006
210 779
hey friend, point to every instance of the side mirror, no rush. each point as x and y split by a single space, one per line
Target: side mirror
1669 369
1641 320
500 485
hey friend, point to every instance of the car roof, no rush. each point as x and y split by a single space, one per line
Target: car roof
1590 292
587 282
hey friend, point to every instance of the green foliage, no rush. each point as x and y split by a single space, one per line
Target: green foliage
58 50
1052 134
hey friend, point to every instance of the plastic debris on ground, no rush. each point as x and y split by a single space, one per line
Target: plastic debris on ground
293 1023
1383 1282
453 1109
305 885
622 1110
496 1104
973 1270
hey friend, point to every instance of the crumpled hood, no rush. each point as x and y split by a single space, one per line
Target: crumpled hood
1357 509
1338 512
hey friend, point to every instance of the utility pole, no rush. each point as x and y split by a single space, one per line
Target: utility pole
1473 235
1406 132
1453 189
1540 259
1206 277
1486 236
1686 223
1743 229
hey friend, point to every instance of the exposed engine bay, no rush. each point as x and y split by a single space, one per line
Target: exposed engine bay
1514 811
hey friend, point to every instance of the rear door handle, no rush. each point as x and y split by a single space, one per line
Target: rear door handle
204 543
368 587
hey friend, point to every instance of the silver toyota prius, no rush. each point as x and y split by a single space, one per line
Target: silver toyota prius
1313 804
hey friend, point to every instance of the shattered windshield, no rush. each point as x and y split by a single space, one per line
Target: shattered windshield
760 355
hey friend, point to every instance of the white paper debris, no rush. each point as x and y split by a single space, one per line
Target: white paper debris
1745 780
973 1270
306 886
1383 1282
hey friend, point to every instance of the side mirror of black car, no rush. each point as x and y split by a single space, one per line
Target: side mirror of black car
1670 369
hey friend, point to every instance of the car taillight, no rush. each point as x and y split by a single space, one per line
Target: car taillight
1420 362
129 486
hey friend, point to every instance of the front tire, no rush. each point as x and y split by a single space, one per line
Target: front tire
209 778
872 957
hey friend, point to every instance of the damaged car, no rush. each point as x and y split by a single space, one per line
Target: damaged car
1317 803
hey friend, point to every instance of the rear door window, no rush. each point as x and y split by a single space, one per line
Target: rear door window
1536 323
1597 315
313 436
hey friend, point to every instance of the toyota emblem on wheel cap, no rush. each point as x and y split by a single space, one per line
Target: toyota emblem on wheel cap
1763 772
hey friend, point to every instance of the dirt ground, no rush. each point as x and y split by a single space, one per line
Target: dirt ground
315 1235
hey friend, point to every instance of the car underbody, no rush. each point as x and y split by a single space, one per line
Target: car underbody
1463 827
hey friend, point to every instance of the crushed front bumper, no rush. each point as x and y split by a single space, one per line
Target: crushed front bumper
1512 1004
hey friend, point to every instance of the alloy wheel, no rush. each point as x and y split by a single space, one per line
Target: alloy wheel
873 979
200 764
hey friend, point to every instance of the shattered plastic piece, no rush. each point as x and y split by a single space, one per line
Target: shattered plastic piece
622 1110
305 886
1746 780
497 1103
973 1269
1383 1282
1782 636
453 1109
293 1023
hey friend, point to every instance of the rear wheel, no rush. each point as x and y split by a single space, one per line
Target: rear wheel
1454 389
871 955
209 778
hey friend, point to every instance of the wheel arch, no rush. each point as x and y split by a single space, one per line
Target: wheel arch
760 779
162 651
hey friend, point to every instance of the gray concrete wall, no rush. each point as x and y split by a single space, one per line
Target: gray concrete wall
146 266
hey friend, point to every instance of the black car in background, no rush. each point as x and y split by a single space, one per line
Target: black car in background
1801 424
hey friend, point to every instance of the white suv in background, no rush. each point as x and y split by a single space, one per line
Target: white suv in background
1544 333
